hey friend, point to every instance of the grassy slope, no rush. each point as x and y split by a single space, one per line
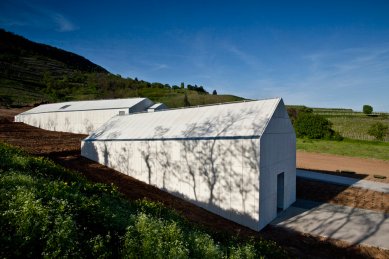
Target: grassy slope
175 98
46 210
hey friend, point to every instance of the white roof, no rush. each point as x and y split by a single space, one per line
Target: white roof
156 105
85 105
233 120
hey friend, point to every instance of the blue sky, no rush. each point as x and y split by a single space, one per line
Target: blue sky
315 53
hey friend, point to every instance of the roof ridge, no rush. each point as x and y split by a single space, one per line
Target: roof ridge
113 99
206 105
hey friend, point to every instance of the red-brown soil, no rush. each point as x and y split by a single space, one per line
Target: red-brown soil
342 195
362 167
64 148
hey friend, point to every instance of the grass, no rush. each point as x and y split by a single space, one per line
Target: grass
18 93
175 98
356 127
351 124
49 211
347 147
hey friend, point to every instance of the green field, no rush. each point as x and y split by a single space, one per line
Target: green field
356 127
351 124
347 147
50 212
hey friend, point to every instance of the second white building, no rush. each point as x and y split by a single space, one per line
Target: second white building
80 116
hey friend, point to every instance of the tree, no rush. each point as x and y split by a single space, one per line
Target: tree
182 85
214 92
293 112
201 90
378 130
367 109
314 126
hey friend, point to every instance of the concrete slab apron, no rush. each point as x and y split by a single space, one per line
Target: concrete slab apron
347 181
357 226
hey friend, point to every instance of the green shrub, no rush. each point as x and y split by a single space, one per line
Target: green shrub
154 238
378 130
294 111
201 245
314 126
245 251
48 211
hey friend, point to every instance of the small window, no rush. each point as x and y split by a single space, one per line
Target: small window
121 113
64 107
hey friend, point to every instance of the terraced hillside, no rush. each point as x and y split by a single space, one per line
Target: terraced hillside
32 73
28 67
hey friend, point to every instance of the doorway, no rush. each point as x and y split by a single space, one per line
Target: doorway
280 192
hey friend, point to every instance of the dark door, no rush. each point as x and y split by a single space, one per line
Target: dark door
280 192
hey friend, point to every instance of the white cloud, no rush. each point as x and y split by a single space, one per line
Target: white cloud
63 23
24 14
248 59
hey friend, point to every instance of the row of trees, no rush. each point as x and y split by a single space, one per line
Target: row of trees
101 84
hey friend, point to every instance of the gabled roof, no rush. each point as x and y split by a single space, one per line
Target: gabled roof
232 120
85 105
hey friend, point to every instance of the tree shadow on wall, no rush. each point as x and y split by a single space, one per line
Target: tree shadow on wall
205 162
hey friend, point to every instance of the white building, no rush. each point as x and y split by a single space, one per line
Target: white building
237 160
80 116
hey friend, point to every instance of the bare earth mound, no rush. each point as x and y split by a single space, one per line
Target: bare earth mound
64 148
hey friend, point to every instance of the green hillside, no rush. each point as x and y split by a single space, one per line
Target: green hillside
33 73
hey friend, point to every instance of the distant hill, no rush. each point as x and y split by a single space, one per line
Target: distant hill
15 46
33 73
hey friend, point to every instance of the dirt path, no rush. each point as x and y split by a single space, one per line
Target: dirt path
365 168
10 113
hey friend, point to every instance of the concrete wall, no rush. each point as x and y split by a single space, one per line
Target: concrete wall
219 175
83 122
278 155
